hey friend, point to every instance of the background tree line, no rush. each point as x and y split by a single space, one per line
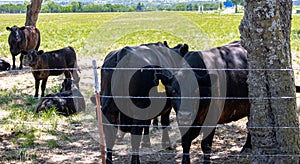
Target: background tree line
51 7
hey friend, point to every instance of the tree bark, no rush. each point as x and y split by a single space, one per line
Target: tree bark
33 11
273 123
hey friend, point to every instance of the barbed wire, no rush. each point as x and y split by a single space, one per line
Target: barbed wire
160 152
201 98
168 97
202 69
141 125
159 126
44 149
150 152
152 68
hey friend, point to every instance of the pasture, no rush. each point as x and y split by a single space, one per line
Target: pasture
51 138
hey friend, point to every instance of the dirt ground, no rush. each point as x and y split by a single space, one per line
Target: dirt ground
83 145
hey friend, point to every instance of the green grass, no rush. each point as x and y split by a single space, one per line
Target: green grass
52 144
108 31
295 33
221 29
57 30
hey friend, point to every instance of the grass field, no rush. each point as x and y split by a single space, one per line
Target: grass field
115 30
93 35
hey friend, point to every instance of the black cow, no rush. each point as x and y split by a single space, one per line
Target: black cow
43 65
67 102
67 85
220 73
136 112
4 65
211 80
23 38
121 134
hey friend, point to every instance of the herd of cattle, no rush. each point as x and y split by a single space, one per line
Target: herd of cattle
26 41
157 58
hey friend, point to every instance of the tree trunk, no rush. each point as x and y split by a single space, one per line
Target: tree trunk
273 123
33 11
236 8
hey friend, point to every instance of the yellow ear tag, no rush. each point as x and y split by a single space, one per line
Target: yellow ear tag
160 87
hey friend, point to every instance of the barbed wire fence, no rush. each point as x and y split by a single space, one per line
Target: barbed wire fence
218 155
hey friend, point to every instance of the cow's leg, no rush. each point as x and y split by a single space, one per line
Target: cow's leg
165 122
136 136
186 141
76 77
206 144
111 135
74 73
146 138
44 82
37 86
67 74
248 146
14 61
21 61
155 123
120 135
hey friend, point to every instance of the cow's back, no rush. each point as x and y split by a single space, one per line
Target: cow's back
59 59
233 60
226 61
31 38
62 58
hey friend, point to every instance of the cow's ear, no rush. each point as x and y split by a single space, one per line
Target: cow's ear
166 44
22 28
184 49
24 52
8 28
165 76
40 52
207 80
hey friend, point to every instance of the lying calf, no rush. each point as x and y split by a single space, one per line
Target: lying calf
66 102
4 65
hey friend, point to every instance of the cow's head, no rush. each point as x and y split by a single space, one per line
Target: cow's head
190 95
15 32
45 104
33 56
181 49
185 93
67 85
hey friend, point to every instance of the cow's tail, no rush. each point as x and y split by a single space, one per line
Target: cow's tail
75 64
77 67
74 72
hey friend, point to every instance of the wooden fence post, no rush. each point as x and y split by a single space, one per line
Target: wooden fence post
99 113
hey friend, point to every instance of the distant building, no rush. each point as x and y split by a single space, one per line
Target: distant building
2 2
296 3
66 2
228 4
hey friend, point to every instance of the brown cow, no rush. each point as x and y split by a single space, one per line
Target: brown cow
23 38
53 63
